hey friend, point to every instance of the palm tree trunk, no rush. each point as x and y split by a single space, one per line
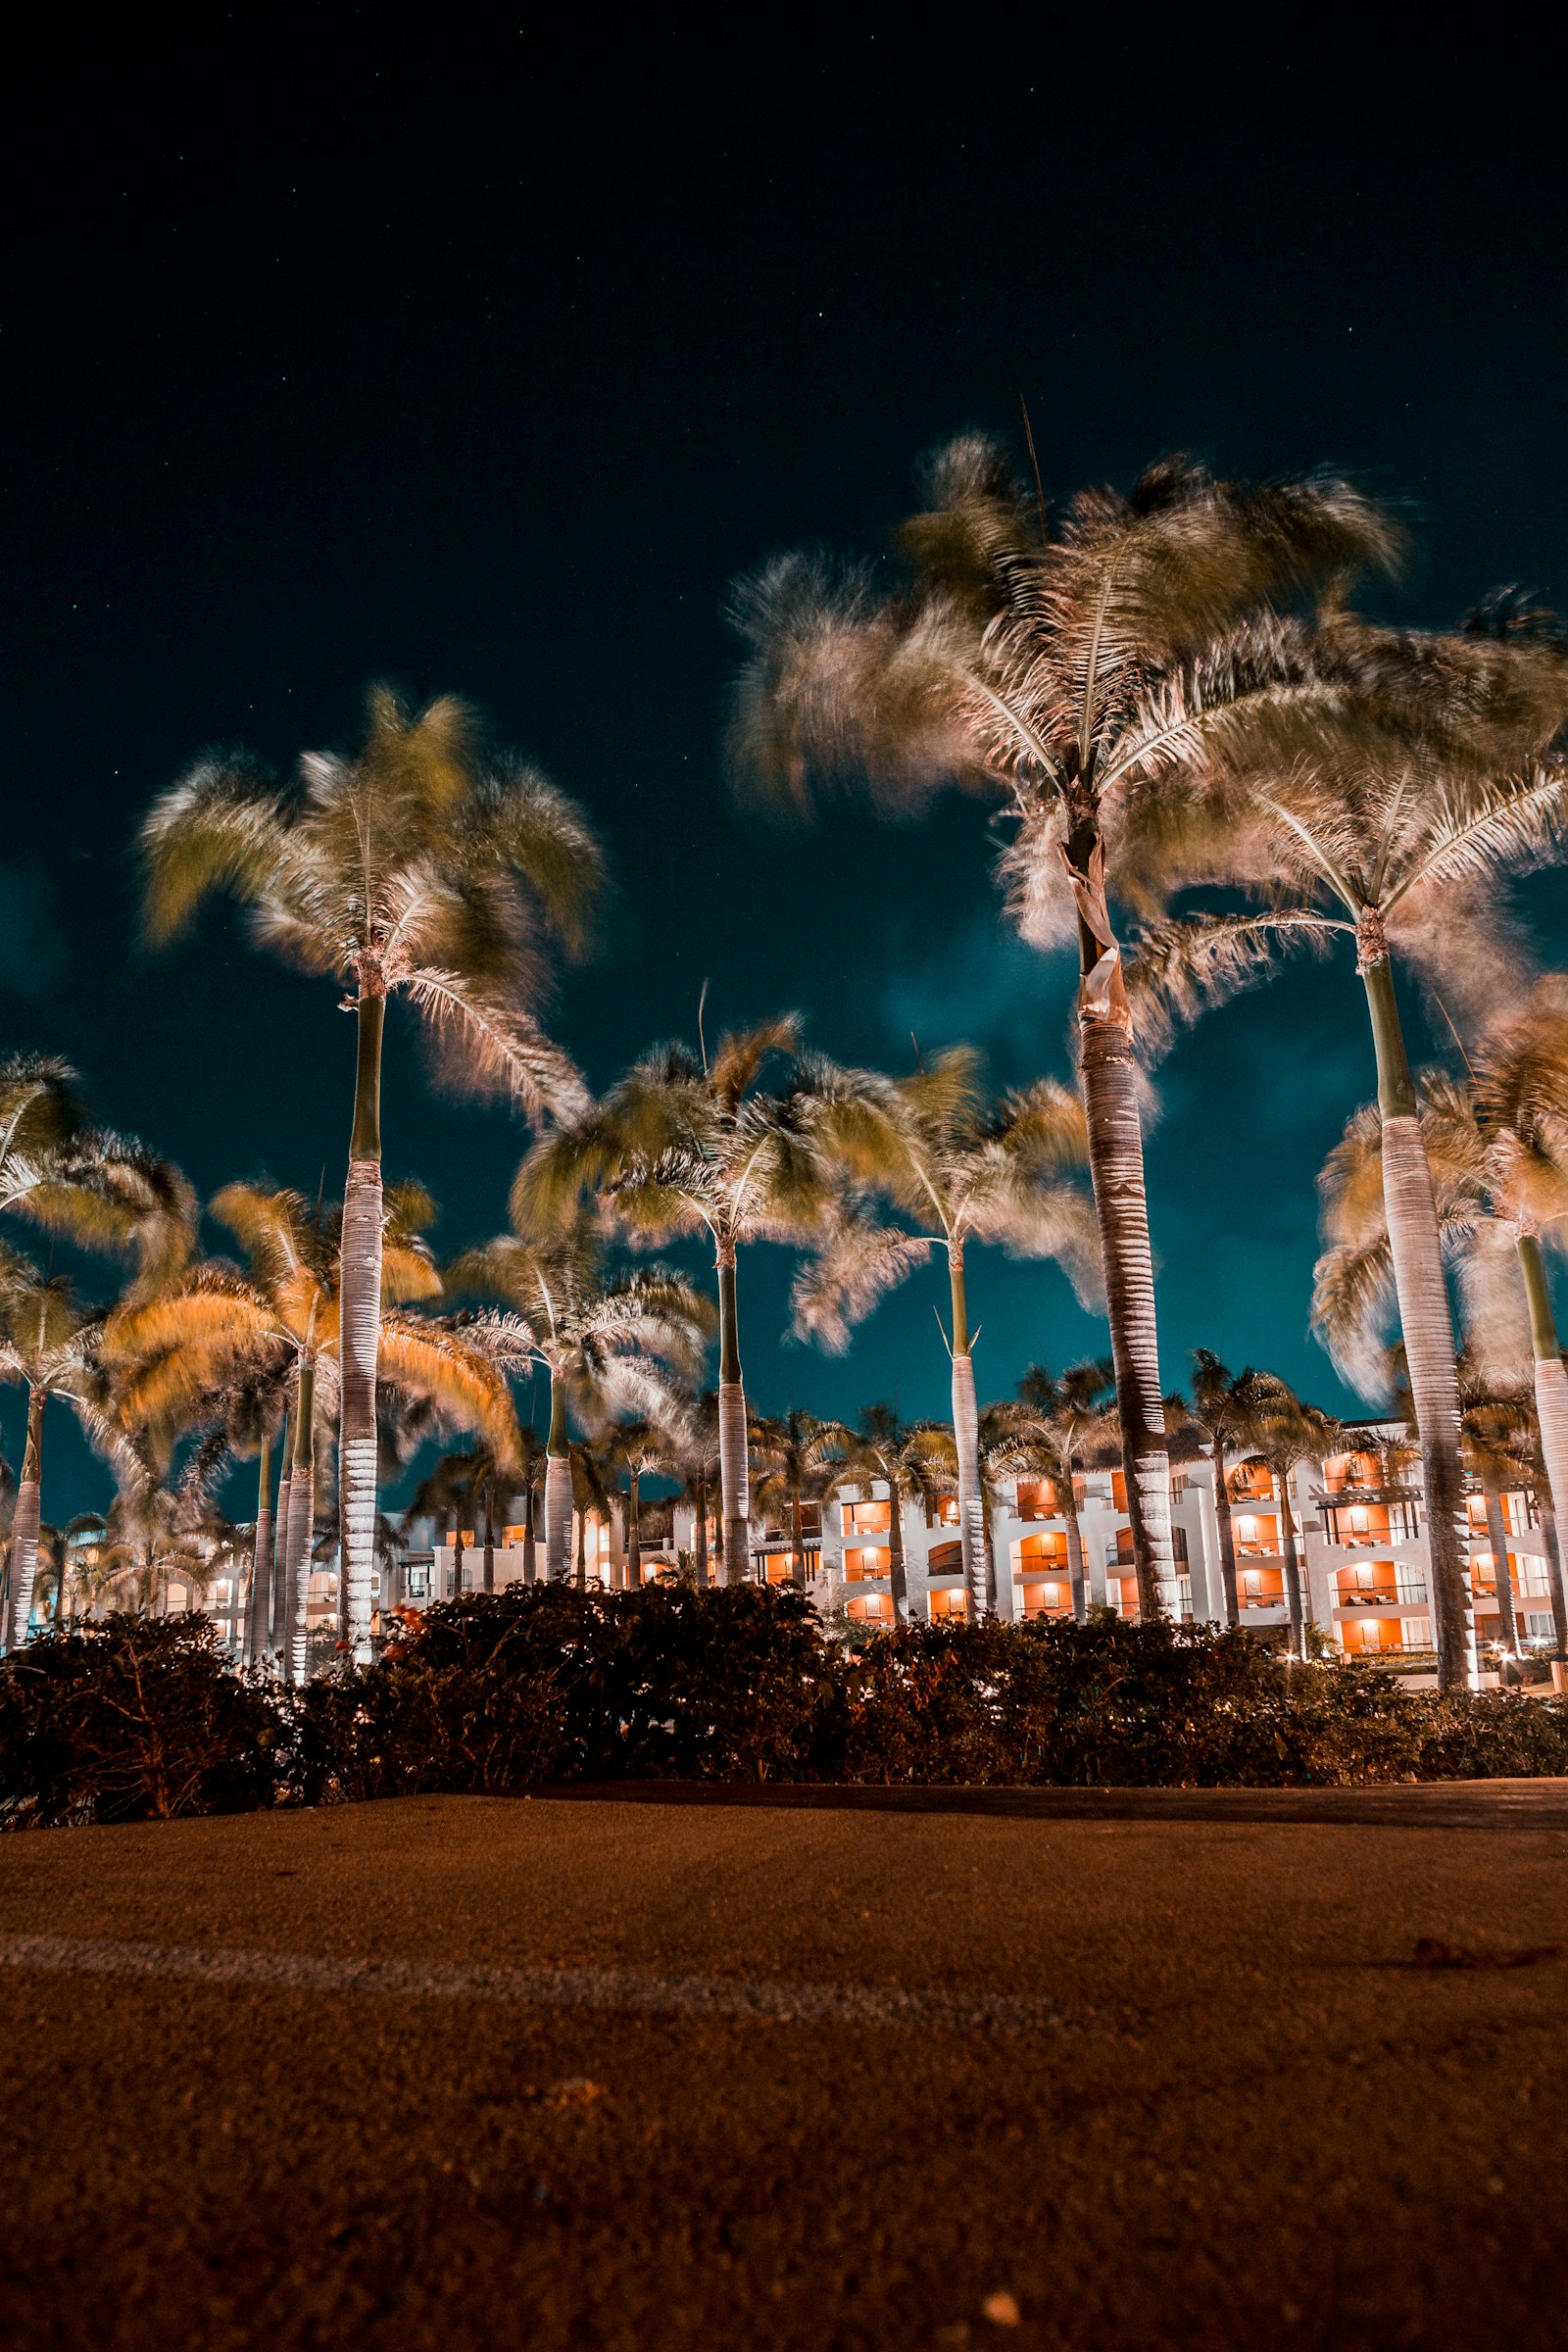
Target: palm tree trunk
1227 1538
1077 1580
1498 1538
24 1524
1110 1077
301 1533
967 1441
1552 1408
530 1560
1428 1327
360 1336
282 1535
798 1540
699 1537
582 1549
557 1490
456 1558
898 1563
734 1471
634 1532
258 1607
1559 1601
1293 1563
489 1540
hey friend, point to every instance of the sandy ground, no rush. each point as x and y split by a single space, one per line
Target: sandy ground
1239 2109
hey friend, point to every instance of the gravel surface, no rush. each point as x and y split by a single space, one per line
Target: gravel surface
458 2073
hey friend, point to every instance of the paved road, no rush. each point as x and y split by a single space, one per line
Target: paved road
466 2073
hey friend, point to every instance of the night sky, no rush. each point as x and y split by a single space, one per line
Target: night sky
484 366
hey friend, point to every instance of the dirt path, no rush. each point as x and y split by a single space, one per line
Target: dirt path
464 2073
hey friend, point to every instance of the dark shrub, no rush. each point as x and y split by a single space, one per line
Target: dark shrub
545 1683
134 1719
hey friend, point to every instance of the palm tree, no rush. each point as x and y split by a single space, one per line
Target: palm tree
796 1456
1421 790
1042 661
1226 1408
411 868
643 1449
49 1343
917 1462
608 1343
1498 1433
684 1145
91 1187
1043 1435
1285 1433
276 1327
961 1169
695 1461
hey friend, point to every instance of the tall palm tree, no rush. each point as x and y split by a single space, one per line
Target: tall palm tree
277 1326
1420 792
609 1342
917 1461
687 1145
1044 1433
1226 1407
413 867
49 1343
643 1449
961 1169
1036 658
1285 1433
795 1455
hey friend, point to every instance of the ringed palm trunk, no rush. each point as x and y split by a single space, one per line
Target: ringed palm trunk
1497 1537
734 1472
699 1537
897 1563
967 1441
24 1524
1293 1564
1227 1538
557 1490
361 1284
1551 1410
259 1608
1110 1077
282 1528
634 1532
1077 1577
1428 1328
301 1532
1559 1601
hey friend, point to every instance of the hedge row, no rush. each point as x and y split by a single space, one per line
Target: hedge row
138 1719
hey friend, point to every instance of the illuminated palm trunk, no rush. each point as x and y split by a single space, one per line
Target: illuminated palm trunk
966 1441
1110 1077
1428 1328
259 1610
1077 1579
699 1537
1227 1538
24 1524
1497 1537
362 1225
1551 1410
1559 1601
301 1533
557 1490
489 1541
734 1472
276 1636
634 1532
530 1561
897 1563
1293 1565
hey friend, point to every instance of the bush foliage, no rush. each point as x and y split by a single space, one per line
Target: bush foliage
140 1719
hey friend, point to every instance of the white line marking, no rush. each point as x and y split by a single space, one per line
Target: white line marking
595 1989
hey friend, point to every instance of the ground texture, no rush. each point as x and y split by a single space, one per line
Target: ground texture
1212 2081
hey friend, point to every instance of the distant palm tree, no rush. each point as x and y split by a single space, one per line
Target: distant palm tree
95 1188
180 1356
608 1342
1421 789
917 1461
412 866
1226 1407
1045 1434
1285 1433
960 1168
695 1461
795 1455
1045 659
49 1343
643 1449
1498 1433
684 1145
475 1487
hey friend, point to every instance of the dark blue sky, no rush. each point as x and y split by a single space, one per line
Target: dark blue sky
484 368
